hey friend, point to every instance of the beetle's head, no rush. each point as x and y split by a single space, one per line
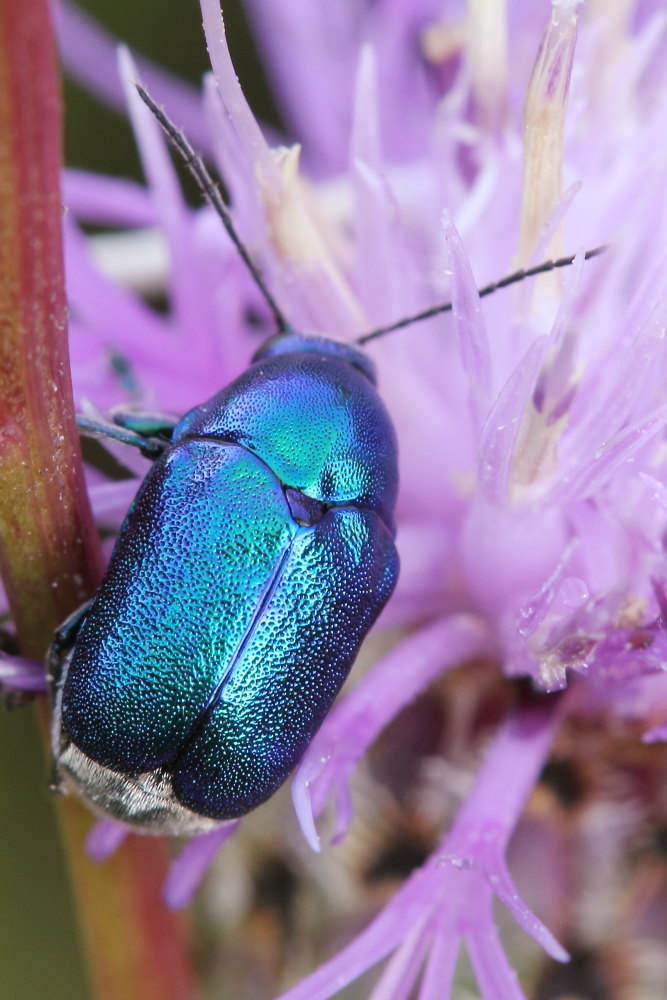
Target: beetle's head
302 343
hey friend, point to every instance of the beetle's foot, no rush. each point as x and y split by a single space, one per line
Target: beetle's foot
144 424
63 641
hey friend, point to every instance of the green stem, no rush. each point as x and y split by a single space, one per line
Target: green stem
49 554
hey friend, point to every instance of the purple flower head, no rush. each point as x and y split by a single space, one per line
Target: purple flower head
437 150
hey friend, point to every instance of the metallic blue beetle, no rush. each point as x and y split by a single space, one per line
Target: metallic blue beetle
256 556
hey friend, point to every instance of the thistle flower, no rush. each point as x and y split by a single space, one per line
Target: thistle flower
438 151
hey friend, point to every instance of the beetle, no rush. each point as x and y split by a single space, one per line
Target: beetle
255 558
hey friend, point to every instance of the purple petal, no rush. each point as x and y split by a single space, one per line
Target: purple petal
190 866
408 908
657 734
248 131
400 973
495 977
19 674
658 489
469 322
533 613
385 272
503 887
593 474
305 42
620 383
511 767
501 431
109 201
104 839
187 298
441 965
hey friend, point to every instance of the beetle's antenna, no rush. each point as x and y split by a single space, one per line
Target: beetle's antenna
197 168
510 279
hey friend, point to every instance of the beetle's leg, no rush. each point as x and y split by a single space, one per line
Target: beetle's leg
63 641
149 446
62 645
122 368
146 425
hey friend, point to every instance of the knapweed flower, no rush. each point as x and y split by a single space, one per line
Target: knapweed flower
524 651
